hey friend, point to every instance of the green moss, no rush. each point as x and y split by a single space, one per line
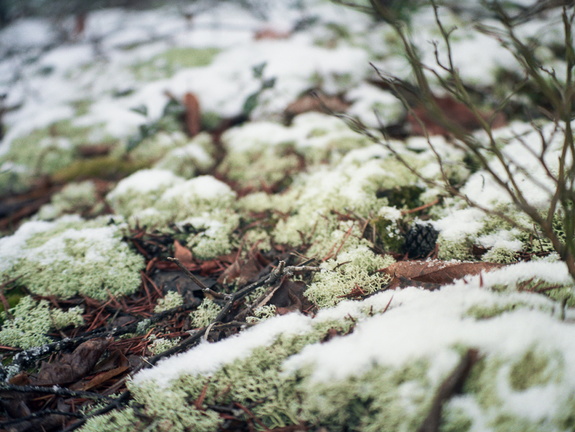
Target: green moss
171 300
104 167
31 322
73 198
206 312
172 60
535 368
383 399
116 421
461 250
500 255
350 271
485 312
160 345
455 419
190 159
72 256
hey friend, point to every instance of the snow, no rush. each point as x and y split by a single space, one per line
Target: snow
96 67
207 358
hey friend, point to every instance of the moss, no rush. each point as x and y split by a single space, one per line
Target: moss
72 256
104 167
33 320
485 312
194 157
73 198
213 234
387 230
349 272
45 151
159 345
115 421
500 255
171 300
461 250
455 419
535 368
155 146
383 399
141 191
172 60
262 313
206 312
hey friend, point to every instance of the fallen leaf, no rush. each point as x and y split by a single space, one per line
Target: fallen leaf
315 102
435 272
72 366
193 119
182 253
271 34
103 377
420 119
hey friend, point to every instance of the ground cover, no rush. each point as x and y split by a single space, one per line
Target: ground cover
207 225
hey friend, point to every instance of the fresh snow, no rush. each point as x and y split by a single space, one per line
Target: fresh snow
42 85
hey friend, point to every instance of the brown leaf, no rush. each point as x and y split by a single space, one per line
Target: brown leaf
193 118
103 377
421 119
241 271
435 272
182 253
318 102
271 34
72 366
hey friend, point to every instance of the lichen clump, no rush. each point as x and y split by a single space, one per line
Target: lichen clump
71 256
31 322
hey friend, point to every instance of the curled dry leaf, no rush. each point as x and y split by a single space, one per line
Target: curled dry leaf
436 273
70 367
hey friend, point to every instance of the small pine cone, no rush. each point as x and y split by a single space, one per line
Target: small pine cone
420 240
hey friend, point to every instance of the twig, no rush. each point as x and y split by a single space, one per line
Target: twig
451 385
37 415
54 390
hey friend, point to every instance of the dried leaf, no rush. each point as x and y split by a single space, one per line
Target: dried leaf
421 120
103 377
193 118
182 253
317 102
241 271
271 34
72 366
434 272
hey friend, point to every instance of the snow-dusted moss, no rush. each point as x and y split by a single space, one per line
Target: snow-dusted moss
31 322
71 256
73 198
262 313
141 190
170 61
158 145
353 270
211 233
299 371
186 161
